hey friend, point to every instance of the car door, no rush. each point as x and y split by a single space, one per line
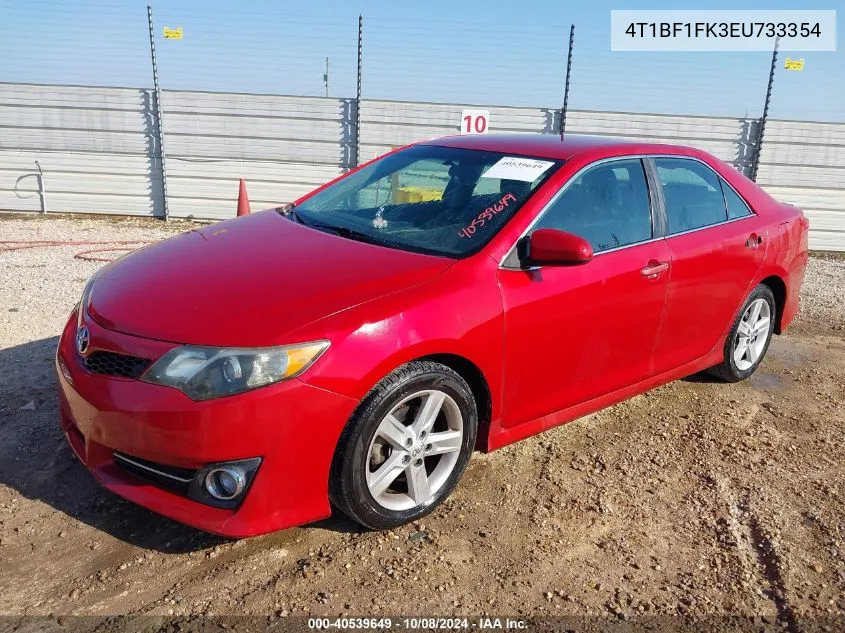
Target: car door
573 333
715 253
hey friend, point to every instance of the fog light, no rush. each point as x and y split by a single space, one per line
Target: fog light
224 483
65 371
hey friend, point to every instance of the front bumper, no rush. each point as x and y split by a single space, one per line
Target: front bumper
292 426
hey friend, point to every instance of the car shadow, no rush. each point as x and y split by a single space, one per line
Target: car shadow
702 376
36 461
338 522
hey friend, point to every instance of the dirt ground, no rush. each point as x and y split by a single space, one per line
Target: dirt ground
697 498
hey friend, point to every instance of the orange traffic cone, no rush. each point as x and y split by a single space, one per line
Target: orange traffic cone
243 200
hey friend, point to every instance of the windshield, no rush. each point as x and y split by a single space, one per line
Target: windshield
438 200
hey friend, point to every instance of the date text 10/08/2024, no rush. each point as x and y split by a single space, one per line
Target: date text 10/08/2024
418 623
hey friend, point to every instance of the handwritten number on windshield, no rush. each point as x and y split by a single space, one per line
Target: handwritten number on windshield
485 216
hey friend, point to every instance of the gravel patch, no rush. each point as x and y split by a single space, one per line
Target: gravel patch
822 290
40 286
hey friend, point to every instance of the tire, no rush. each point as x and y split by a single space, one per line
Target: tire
738 365
392 440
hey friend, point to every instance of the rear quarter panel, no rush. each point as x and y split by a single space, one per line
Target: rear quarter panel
787 250
787 258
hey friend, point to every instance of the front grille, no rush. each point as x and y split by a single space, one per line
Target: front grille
170 477
113 364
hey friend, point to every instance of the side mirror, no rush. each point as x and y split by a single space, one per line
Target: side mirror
551 247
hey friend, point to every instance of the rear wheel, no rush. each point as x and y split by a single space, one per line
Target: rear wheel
406 446
749 337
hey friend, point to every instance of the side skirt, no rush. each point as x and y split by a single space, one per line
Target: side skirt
500 437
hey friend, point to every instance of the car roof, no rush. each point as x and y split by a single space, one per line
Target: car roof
551 145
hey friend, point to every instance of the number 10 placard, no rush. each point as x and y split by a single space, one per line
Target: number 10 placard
475 121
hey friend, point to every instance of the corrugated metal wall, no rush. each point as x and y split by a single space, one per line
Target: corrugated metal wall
804 164
730 139
283 146
386 124
97 148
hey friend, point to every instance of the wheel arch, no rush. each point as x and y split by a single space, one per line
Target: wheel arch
467 365
477 381
777 285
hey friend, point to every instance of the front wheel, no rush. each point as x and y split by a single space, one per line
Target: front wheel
406 446
749 337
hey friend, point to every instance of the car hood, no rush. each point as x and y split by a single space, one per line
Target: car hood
247 282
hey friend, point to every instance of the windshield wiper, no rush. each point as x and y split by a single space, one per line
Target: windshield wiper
289 211
346 232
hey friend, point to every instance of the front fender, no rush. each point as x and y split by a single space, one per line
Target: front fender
457 313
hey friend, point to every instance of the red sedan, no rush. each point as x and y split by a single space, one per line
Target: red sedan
352 349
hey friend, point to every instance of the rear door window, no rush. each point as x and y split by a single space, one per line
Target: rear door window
736 205
692 194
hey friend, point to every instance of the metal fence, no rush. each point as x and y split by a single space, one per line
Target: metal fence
206 110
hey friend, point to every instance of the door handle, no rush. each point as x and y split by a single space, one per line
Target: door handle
753 241
653 269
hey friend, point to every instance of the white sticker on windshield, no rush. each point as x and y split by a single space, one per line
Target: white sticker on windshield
514 168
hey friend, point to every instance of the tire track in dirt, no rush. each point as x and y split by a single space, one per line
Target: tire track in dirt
757 551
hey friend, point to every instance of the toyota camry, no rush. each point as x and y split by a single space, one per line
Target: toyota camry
352 349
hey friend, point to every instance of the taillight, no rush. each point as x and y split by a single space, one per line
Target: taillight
805 221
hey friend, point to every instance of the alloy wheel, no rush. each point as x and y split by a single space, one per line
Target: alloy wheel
752 334
414 450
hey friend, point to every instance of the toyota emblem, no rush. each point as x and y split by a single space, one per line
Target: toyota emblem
83 338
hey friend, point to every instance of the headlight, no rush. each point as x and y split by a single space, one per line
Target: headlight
203 373
84 301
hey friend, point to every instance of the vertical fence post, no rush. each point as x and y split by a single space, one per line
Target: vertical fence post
42 192
759 148
157 128
358 91
566 87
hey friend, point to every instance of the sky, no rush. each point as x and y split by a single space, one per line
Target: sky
470 52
